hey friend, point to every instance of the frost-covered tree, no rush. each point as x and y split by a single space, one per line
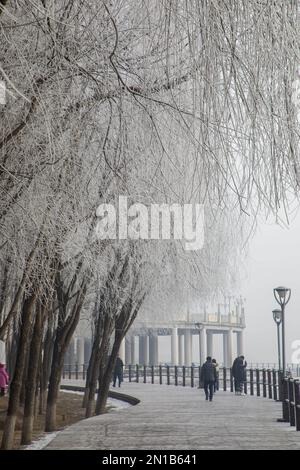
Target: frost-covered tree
162 101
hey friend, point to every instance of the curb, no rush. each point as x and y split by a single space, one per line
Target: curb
117 395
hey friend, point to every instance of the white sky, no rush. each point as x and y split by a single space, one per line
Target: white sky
274 260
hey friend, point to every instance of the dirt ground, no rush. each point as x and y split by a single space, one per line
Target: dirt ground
69 411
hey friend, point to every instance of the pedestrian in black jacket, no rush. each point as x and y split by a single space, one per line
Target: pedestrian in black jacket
238 370
208 377
118 371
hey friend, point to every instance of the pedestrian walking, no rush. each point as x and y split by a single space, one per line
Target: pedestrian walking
208 377
118 371
239 374
216 384
4 379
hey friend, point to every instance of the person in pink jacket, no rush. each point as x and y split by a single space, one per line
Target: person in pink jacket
4 379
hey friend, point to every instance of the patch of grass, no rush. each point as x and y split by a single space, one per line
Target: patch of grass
69 411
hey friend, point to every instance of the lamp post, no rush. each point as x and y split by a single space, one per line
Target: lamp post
277 316
282 296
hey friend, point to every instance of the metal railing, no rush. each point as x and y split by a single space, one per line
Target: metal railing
291 402
267 383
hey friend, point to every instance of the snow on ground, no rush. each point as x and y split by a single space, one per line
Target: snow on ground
42 442
111 402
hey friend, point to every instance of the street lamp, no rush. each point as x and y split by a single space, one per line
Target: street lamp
282 296
277 315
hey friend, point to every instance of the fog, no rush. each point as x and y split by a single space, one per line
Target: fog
274 260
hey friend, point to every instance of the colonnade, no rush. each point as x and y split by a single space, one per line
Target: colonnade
145 350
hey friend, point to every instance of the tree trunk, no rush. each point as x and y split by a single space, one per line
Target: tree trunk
15 389
105 377
46 368
62 341
91 366
55 377
99 346
34 359
24 379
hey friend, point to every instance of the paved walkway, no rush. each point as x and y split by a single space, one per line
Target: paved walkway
170 417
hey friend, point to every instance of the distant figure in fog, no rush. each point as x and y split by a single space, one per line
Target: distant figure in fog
4 379
208 377
216 384
118 371
239 374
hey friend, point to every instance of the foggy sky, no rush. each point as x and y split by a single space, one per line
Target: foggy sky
274 260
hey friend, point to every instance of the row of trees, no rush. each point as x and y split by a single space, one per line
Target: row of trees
162 101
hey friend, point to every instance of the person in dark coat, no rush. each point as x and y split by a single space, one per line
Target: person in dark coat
118 371
239 374
208 377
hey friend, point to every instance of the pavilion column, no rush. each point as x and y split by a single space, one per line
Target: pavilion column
72 352
143 350
240 343
229 347
209 344
127 350
180 350
225 356
153 349
132 340
87 350
174 347
80 351
122 350
202 346
187 347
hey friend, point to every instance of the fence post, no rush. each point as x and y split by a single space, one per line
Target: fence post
64 372
231 380
129 372
285 404
160 374
199 378
280 385
224 380
264 383
76 371
137 373
168 375
246 383
297 403
145 374
176 375
183 376
83 372
270 384
291 403
257 383
275 394
192 376
152 374
251 382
